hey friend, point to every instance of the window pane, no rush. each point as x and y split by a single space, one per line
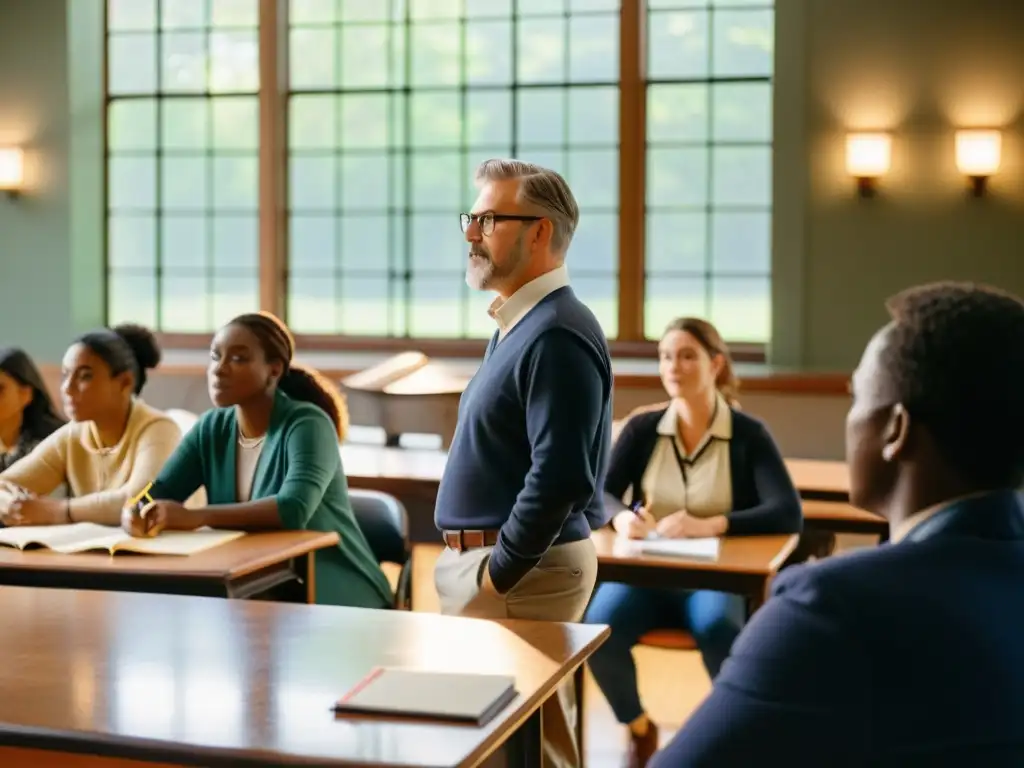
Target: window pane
235 183
131 64
364 182
363 306
677 113
313 11
743 43
131 15
313 182
488 52
183 14
234 62
678 44
742 243
365 56
131 242
183 303
313 122
436 307
364 121
595 245
132 182
593 175
235 244
185 123
364 243
313 244
435 52
676 242
132 125
131 298
489 8
232 296
601 294
488 118
184 242
593 116
742 175
594 49
438 245
541 117
593 5
677 177
312 307
435 9
360 10
312 58
742 112
183 181
668 298
236 123
541 50
235 13
540 7
436 119
183 61
741 308
553 159
437 181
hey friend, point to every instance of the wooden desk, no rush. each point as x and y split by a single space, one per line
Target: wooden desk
745 565
192 681
255 563
820 480
824 520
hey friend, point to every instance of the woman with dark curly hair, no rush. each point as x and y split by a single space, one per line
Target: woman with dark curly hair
268 455
113 445
27 415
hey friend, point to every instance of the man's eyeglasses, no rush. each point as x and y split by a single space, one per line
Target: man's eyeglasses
487 220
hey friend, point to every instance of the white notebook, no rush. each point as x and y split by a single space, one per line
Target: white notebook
458 696
90 537
693 549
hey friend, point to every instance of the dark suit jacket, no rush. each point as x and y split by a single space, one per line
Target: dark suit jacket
908 654
764 499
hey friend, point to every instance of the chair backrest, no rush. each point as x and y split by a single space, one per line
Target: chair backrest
384 522
184 419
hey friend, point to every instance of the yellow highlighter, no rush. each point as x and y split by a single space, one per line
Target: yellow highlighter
143 494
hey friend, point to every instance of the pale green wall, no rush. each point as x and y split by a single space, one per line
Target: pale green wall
916 67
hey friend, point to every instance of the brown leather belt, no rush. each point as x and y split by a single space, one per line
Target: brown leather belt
460 541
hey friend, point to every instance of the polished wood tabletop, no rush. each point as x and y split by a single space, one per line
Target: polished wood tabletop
201 681
838 512
823 480
753 555
238 568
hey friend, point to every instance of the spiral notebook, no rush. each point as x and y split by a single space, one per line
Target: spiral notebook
453 696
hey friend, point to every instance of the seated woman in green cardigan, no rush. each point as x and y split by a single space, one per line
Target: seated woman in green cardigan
268 457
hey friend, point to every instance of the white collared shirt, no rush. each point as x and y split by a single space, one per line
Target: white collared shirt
508 312
706 490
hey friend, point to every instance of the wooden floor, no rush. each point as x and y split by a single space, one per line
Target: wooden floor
672 683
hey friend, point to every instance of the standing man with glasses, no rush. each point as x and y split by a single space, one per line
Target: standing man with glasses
526 466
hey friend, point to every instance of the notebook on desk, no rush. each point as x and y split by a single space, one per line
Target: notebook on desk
693 549
455 696
89 537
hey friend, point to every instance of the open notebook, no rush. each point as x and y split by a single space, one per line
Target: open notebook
90 537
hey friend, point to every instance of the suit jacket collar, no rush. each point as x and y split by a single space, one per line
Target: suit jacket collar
998 516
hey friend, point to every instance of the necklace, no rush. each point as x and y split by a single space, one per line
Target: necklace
250 442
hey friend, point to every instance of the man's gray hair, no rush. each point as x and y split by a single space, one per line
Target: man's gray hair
541 189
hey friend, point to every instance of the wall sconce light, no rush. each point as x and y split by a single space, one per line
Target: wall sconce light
868 157
978 154
12 171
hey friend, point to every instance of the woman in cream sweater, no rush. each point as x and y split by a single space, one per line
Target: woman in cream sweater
114 445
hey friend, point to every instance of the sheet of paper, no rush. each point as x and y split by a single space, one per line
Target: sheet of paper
179 542
697 549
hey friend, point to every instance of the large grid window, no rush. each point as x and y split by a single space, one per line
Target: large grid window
182 173
709 165
391 107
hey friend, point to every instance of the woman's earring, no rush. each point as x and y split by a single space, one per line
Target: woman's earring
888 452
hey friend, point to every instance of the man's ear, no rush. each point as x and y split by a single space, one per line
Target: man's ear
897 433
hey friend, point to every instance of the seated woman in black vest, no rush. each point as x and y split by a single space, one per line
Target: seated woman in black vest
693 468
27 414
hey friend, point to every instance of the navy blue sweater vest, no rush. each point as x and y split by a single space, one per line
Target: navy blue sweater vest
531 444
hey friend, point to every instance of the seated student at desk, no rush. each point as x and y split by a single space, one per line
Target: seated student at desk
113 445
695 468
268 456
910 654
27 415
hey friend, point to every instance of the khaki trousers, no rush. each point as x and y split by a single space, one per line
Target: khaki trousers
557 589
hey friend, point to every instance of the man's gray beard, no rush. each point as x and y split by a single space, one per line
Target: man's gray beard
483 277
